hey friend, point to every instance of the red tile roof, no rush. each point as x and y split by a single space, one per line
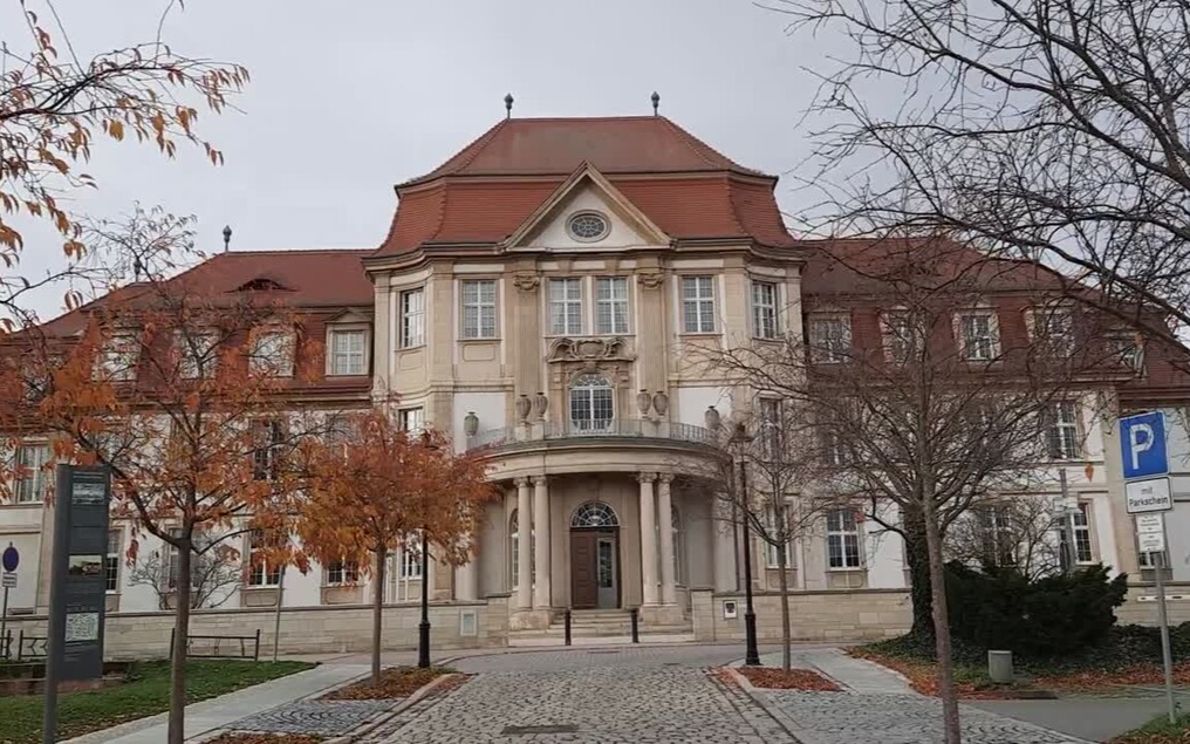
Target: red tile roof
486 191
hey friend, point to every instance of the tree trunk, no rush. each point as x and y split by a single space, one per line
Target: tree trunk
950 703
377 615
918 555
177 665
786 651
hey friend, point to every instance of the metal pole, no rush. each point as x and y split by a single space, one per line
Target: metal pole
1166 653
634 615
568 626
751 653
276 616
423 628
4 623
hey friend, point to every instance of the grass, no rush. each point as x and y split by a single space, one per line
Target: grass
1159 731
144 694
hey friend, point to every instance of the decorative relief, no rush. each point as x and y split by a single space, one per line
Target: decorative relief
588 349
526 282
651 280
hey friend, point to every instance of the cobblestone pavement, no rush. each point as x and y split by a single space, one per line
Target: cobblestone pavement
841 718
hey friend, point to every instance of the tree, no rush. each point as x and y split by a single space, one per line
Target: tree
375 488
937 410
52 105
1051 130
180 391
214 575
1022 533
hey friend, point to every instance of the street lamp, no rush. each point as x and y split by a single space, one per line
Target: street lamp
751 653
423 628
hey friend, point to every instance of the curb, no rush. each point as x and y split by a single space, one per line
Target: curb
382 717
791 727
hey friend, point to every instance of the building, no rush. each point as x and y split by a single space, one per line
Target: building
539 295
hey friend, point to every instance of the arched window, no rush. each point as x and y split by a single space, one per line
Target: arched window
594 514
591 406
514 540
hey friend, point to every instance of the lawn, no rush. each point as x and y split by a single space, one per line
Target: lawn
146 693
1158 731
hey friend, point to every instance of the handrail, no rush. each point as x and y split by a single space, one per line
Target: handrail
615 428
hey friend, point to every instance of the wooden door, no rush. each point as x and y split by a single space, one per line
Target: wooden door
584 585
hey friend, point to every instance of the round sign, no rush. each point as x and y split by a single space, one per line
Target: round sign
11 558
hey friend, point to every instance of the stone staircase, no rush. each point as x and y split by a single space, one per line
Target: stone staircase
600 627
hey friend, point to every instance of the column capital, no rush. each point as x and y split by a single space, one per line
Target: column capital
666 478
521 482
646 477
540 480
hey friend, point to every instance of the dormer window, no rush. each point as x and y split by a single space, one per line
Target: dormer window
348 351
588 227
118 358
272 353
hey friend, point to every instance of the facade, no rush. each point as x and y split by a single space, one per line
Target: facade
543 295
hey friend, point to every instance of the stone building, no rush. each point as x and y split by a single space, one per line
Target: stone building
538 295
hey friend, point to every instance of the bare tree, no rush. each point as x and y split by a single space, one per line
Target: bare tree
1022 532
933 409
214 576
1051 130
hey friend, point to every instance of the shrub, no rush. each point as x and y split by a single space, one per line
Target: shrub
1001 609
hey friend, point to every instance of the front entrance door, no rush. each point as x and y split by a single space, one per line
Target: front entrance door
594 569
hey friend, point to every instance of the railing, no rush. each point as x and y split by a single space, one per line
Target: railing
623 428
219 647
22 647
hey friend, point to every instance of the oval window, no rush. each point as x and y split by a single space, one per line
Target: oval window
588 226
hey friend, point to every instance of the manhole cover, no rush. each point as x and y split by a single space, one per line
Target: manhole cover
548 728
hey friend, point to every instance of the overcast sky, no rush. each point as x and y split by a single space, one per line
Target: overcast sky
349 98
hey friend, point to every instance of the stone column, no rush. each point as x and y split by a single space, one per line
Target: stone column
524 546
648 539
467 580
669 590
541 542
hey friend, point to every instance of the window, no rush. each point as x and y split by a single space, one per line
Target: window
272 353
411 560
111 562
514 542
1054 327
266 454
411 420
996 535
197 354
830 339
834 453
698 304
413 318
679 543
1061 430
977 336
594 514
1083 552
587 227
900 341
349 352
342 572
479 308
842 540
171 563
260 572
611 304
591 407
764 309
118 358
774 529
770 427
566 306
32 476
1125 348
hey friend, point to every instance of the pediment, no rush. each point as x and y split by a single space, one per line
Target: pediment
586 192
349 317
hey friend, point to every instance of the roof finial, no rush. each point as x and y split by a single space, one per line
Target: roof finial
508 99
226 237
656 102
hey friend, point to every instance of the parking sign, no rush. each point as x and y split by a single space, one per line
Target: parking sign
1142 445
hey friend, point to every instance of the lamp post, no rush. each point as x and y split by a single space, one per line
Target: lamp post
423 628
751 653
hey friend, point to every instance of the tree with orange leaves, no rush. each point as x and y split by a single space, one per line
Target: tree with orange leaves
180 392
375 488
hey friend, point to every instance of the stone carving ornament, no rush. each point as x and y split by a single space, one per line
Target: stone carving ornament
526 282
588 349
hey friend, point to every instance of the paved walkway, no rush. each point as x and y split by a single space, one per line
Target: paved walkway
216 713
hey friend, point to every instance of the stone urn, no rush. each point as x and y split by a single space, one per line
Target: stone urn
712 419
541 404
524 407
643 401
470 424
660 402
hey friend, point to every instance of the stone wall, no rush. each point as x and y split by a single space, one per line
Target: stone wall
339 629
1140 608
814 616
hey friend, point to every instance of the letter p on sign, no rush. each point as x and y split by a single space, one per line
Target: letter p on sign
1142 439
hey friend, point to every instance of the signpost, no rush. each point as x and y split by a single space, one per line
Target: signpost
10 559
1147 495
77 583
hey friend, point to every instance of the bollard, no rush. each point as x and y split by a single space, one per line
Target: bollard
1000 667
567 620
635 624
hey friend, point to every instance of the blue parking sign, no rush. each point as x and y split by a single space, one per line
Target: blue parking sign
1142 445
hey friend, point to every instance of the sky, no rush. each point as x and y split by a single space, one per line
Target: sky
349 98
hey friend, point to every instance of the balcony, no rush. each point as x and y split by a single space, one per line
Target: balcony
637 430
